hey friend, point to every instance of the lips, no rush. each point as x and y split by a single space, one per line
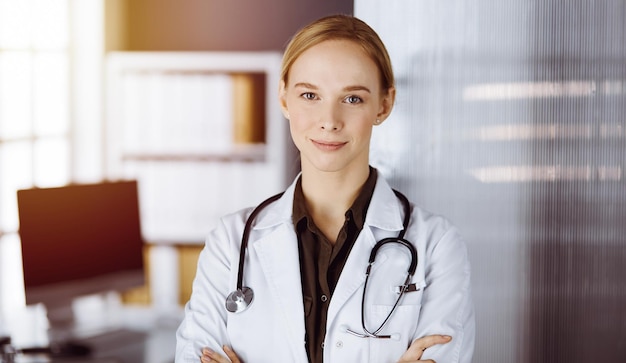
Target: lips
328 145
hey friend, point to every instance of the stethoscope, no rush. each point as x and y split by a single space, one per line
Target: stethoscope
240 299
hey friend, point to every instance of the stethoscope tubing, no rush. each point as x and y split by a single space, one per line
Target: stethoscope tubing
246 235
242 297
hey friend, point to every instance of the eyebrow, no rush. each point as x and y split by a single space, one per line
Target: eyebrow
348 88
304 85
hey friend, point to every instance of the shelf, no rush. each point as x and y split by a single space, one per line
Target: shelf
241 153
202 132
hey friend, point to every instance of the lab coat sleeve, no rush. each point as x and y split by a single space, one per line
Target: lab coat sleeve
204 324
447 306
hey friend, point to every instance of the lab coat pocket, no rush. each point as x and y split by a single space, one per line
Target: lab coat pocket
401 326
413 295
403 317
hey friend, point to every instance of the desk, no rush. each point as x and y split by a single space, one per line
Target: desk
123 346
139 335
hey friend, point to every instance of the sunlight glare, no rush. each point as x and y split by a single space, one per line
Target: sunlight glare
15 94
51 94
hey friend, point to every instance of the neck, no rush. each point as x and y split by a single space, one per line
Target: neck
331 193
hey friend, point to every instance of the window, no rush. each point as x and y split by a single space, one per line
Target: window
35 127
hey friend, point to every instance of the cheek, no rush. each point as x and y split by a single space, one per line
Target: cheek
296 130
300 121
361 123
365 132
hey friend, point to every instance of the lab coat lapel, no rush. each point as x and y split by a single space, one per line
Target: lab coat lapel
384 219
279 260
353 274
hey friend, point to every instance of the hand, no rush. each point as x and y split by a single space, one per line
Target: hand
209 356
417 348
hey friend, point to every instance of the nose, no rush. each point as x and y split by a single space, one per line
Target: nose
330 119
329 126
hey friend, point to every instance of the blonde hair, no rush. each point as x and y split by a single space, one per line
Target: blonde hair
339 27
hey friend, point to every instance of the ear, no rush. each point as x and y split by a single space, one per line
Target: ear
282 98
386 104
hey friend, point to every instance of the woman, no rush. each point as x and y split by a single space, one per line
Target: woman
308 251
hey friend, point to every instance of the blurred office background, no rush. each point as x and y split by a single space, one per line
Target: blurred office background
510 120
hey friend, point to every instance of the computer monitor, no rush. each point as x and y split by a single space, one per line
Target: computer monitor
79 240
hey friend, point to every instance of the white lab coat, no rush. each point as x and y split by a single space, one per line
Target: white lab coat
272 328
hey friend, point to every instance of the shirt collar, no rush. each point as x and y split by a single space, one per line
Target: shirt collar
356 212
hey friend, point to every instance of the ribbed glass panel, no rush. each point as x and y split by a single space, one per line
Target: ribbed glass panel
511 121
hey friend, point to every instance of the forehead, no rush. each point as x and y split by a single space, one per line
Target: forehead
333 61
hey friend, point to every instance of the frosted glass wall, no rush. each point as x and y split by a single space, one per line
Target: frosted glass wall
511 121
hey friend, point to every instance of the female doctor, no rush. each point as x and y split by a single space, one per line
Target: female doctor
307 251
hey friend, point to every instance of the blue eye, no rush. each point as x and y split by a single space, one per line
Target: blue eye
308 95
353 99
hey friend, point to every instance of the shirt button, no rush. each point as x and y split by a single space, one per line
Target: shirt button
339 344
322 345
324 298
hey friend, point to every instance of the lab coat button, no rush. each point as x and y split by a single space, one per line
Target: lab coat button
324 298
339 344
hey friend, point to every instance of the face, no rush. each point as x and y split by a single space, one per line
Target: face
332 100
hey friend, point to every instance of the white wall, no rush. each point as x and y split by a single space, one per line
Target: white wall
509 121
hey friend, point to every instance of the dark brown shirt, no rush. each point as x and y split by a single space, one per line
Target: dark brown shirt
321 262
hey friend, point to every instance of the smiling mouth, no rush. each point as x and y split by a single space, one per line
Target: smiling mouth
327 145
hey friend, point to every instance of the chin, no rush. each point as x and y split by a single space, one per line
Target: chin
331 167
332 163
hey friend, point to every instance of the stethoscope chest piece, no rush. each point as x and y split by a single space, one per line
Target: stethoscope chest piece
239 300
